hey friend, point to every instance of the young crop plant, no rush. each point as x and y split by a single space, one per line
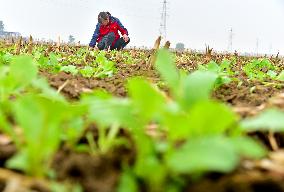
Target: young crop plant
87 71
13 79
41 136
5 58
70 69
39 112
127 58
260 69
76 56
42 120
51 63
103 67
109 114
106 69
223 70
268 120
197 134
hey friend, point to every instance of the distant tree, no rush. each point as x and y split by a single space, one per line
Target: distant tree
180 47
1 26
71 39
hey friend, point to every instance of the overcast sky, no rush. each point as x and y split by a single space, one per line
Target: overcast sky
193 22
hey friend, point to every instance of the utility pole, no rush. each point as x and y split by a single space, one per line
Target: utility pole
270 49
163 24
230 42
257 45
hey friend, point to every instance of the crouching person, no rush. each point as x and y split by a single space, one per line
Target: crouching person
107 36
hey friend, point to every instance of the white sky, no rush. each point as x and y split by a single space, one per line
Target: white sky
195 23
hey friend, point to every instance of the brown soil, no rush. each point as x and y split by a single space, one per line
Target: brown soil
94 172
248 94
115 85
254 181
2 185
7 149
11 181
6 152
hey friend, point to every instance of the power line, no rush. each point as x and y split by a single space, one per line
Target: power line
270 48
230 43
163 24
257 45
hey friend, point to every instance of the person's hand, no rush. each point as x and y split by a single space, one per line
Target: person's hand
125 37
93 48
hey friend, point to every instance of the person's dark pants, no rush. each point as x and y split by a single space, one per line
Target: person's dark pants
119 44
108 40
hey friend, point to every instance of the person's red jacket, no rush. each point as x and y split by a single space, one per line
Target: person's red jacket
113 26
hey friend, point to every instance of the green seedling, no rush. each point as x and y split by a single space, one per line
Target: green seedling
104 67
74 130
109 114
41 121
206 129
269 120
87 71
5 58
214 153
53 62
127 182
200 119
69 69
41 136
37 113
13 79
223 71
260 69
41 87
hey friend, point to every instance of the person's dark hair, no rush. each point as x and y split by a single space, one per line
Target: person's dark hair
108 14
103 16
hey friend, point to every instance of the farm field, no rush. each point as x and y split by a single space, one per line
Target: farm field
78 119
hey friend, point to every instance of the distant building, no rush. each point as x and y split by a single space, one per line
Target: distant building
180 47
6 34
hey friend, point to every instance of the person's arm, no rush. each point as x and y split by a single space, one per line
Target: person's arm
95 36
121 28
